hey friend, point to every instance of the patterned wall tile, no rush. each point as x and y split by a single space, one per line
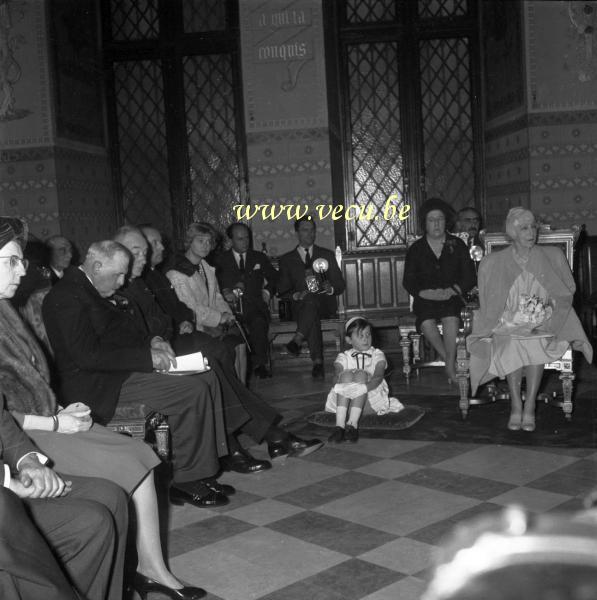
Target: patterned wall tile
28 188
59 190
86 203
291 168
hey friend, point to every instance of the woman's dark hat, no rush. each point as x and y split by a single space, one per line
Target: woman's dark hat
436 204
13 229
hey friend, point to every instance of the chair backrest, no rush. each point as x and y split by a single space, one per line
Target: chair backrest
565 239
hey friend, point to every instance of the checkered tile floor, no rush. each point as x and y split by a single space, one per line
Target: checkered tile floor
360 521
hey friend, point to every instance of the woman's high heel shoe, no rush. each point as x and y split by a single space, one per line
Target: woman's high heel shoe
514 423
144 585
528 423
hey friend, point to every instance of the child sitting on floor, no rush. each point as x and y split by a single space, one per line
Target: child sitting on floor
360 386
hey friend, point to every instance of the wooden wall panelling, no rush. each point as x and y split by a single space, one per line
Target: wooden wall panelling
374 283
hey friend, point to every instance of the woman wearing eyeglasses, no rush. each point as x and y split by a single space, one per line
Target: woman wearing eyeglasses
68 436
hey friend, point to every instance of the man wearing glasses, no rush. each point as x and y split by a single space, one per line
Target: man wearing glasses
468 220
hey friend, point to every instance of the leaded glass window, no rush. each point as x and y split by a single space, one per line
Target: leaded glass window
211 138
447 120
370 11
134 19
142 142
442 8
203 15
376 141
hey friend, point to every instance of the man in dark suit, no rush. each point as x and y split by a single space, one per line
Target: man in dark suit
468 220
308 308
61 255
56 536
251 272
102 355
243 409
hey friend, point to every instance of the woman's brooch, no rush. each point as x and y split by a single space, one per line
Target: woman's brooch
449 245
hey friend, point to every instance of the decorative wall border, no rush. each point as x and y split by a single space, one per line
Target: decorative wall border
546 150
313 133
562 117
271 170
47 152
506 158
516 187
518 124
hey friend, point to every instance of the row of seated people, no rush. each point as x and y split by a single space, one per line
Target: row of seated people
110 339
525 317
210 284
245 278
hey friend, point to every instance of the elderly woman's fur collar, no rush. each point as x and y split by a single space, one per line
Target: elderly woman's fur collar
24 375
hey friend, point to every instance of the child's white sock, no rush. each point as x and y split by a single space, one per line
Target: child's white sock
341 416
355 415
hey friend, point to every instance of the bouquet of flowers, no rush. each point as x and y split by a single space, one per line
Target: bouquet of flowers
532 310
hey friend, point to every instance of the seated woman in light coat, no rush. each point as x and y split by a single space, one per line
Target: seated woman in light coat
194 281
526 317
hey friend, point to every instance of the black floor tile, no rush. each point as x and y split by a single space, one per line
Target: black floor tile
576 479
329 489
333 533
203 533
457 483
436 533
350 580
432 454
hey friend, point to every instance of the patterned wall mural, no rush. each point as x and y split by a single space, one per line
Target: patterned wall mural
59 185
544 154
285 115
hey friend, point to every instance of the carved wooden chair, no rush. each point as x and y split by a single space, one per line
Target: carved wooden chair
565 239
129 419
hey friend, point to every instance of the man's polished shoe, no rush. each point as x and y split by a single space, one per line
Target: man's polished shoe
197 494
292 446
242 462
293 348
318 371
222 488
262 372
144 585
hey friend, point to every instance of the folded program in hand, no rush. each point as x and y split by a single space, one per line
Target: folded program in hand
189 362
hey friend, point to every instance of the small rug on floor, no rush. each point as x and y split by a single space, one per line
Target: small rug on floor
486 424
391 422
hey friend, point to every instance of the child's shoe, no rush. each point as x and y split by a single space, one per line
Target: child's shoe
337 435
351 434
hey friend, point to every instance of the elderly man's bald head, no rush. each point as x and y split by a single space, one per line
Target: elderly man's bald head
106 265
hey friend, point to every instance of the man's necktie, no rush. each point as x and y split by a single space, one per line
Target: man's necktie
308 259
361 355
241 263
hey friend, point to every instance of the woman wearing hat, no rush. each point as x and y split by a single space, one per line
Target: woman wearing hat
438 271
